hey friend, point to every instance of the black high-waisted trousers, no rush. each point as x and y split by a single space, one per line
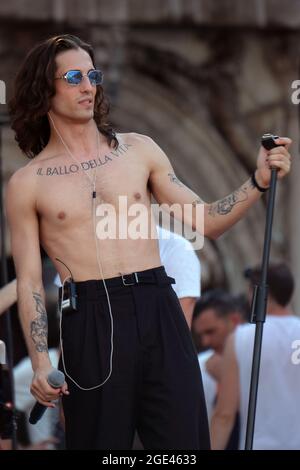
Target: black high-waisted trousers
155 386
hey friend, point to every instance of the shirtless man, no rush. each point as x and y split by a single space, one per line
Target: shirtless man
127 351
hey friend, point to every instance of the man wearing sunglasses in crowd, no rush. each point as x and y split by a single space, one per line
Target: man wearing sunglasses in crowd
127 352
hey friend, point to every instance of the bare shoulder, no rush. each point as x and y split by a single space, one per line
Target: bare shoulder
21 185
133 138
20 180
145 145
25 177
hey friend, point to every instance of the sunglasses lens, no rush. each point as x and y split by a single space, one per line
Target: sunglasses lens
74 77
95 77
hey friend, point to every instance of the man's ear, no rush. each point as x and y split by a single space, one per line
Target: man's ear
235 319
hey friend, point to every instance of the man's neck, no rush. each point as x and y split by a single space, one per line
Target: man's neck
279 311
80 138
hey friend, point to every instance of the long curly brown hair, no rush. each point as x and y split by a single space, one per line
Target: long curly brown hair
34 88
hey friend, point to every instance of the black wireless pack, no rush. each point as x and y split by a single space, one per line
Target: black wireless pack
69 303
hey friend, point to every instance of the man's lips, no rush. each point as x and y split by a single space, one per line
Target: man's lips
86 101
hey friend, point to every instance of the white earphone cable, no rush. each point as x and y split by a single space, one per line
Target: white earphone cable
93 182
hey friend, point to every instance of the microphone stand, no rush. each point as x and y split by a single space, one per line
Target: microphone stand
259 301
3 281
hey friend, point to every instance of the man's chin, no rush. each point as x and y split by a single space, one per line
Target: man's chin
83 117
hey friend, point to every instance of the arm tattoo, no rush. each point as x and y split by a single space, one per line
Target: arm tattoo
174 179
39 326
224 206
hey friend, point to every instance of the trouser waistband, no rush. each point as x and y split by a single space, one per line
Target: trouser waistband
156 275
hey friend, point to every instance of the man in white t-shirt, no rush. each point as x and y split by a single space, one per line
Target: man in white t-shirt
277 423
181 263
216 315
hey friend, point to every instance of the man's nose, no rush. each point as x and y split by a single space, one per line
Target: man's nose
85 84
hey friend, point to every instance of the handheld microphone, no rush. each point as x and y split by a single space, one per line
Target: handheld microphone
268 141
55 379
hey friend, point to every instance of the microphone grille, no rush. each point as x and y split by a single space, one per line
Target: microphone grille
56 378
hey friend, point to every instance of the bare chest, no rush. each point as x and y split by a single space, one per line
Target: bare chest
65 189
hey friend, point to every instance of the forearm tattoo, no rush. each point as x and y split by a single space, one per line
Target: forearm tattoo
39 326
174 179
225 206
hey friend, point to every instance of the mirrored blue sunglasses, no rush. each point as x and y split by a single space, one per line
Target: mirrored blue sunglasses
74 77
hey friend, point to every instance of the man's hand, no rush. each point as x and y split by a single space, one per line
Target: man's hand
42 391
278 157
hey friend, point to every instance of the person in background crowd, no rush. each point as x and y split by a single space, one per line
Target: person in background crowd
277 423
216 315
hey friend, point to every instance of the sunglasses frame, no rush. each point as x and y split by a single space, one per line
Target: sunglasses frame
64 77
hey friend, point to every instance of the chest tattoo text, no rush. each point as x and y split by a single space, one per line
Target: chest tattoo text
87 165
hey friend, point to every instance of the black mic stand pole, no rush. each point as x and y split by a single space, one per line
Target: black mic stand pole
259 301
3 281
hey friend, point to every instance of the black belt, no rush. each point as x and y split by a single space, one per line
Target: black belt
150 276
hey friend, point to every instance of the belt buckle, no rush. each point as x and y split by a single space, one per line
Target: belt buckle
129 283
